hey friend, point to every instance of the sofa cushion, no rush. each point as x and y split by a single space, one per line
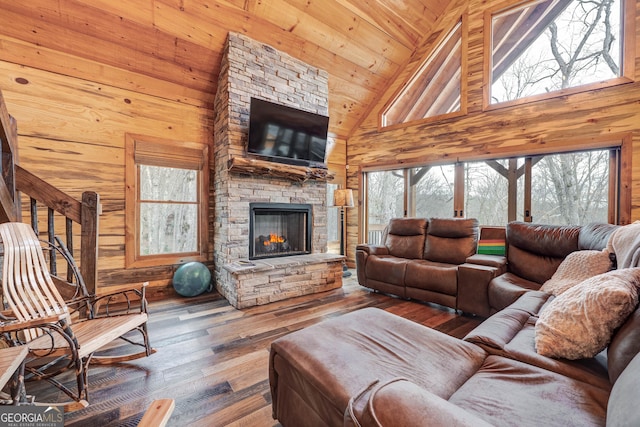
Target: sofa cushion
405 237
386 268
451 240
577 267
507 288
535 251
580 322
595 236
511 333
507 392
624 400
432 276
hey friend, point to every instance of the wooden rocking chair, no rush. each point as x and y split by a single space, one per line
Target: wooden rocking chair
63 340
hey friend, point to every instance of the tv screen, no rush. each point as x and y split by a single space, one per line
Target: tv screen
287 135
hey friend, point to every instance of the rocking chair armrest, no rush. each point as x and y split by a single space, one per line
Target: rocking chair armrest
17 325
140 291
122 297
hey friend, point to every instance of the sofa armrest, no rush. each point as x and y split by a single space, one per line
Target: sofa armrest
473 288
362 254
401 402
498 261
373 249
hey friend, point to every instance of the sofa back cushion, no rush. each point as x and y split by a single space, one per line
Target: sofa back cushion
595 236
405 237
535 251
451 240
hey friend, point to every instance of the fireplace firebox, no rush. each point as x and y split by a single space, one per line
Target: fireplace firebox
279 229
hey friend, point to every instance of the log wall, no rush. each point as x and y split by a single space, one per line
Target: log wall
580 119
71 133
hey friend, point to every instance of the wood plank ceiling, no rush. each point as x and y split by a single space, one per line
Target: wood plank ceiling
361 43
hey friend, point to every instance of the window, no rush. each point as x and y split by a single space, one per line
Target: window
384 200
542 47
486 190
571 188
165 201
431 191
555 188
436 88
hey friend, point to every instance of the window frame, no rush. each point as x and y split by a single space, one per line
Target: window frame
619 181
153 151
627 69
438 45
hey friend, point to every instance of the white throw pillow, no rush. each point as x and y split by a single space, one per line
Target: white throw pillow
577 267
580 322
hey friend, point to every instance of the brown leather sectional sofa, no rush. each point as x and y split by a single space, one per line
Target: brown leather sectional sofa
435 260
372 368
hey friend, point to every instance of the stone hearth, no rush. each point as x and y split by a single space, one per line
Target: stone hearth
252 69
273 279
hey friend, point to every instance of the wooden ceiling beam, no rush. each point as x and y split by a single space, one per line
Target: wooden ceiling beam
387 20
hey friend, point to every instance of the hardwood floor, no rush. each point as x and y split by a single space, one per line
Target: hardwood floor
213 359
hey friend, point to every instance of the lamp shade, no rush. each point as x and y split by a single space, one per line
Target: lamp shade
343 198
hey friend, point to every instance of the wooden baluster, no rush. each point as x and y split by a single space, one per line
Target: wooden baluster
51 235
89 243
69 243
34 215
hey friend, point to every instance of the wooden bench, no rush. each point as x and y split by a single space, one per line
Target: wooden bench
11 359
158 413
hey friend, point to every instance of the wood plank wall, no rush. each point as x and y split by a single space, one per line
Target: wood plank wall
72 134
585 119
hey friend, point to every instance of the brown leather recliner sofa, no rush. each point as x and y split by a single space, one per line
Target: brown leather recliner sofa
418 258
372 368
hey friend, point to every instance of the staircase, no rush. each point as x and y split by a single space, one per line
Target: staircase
48 207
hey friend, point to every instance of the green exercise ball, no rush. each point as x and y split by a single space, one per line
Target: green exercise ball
191 279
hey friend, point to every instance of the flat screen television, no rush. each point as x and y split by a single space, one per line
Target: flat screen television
287 135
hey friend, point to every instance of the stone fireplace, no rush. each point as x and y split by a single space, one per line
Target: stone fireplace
299 265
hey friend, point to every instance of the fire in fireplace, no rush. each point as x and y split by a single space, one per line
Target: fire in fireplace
279 229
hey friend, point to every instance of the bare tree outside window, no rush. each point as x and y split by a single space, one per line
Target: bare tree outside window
433 191
168 210
385 200
580 46
566 189
486 193
571 188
